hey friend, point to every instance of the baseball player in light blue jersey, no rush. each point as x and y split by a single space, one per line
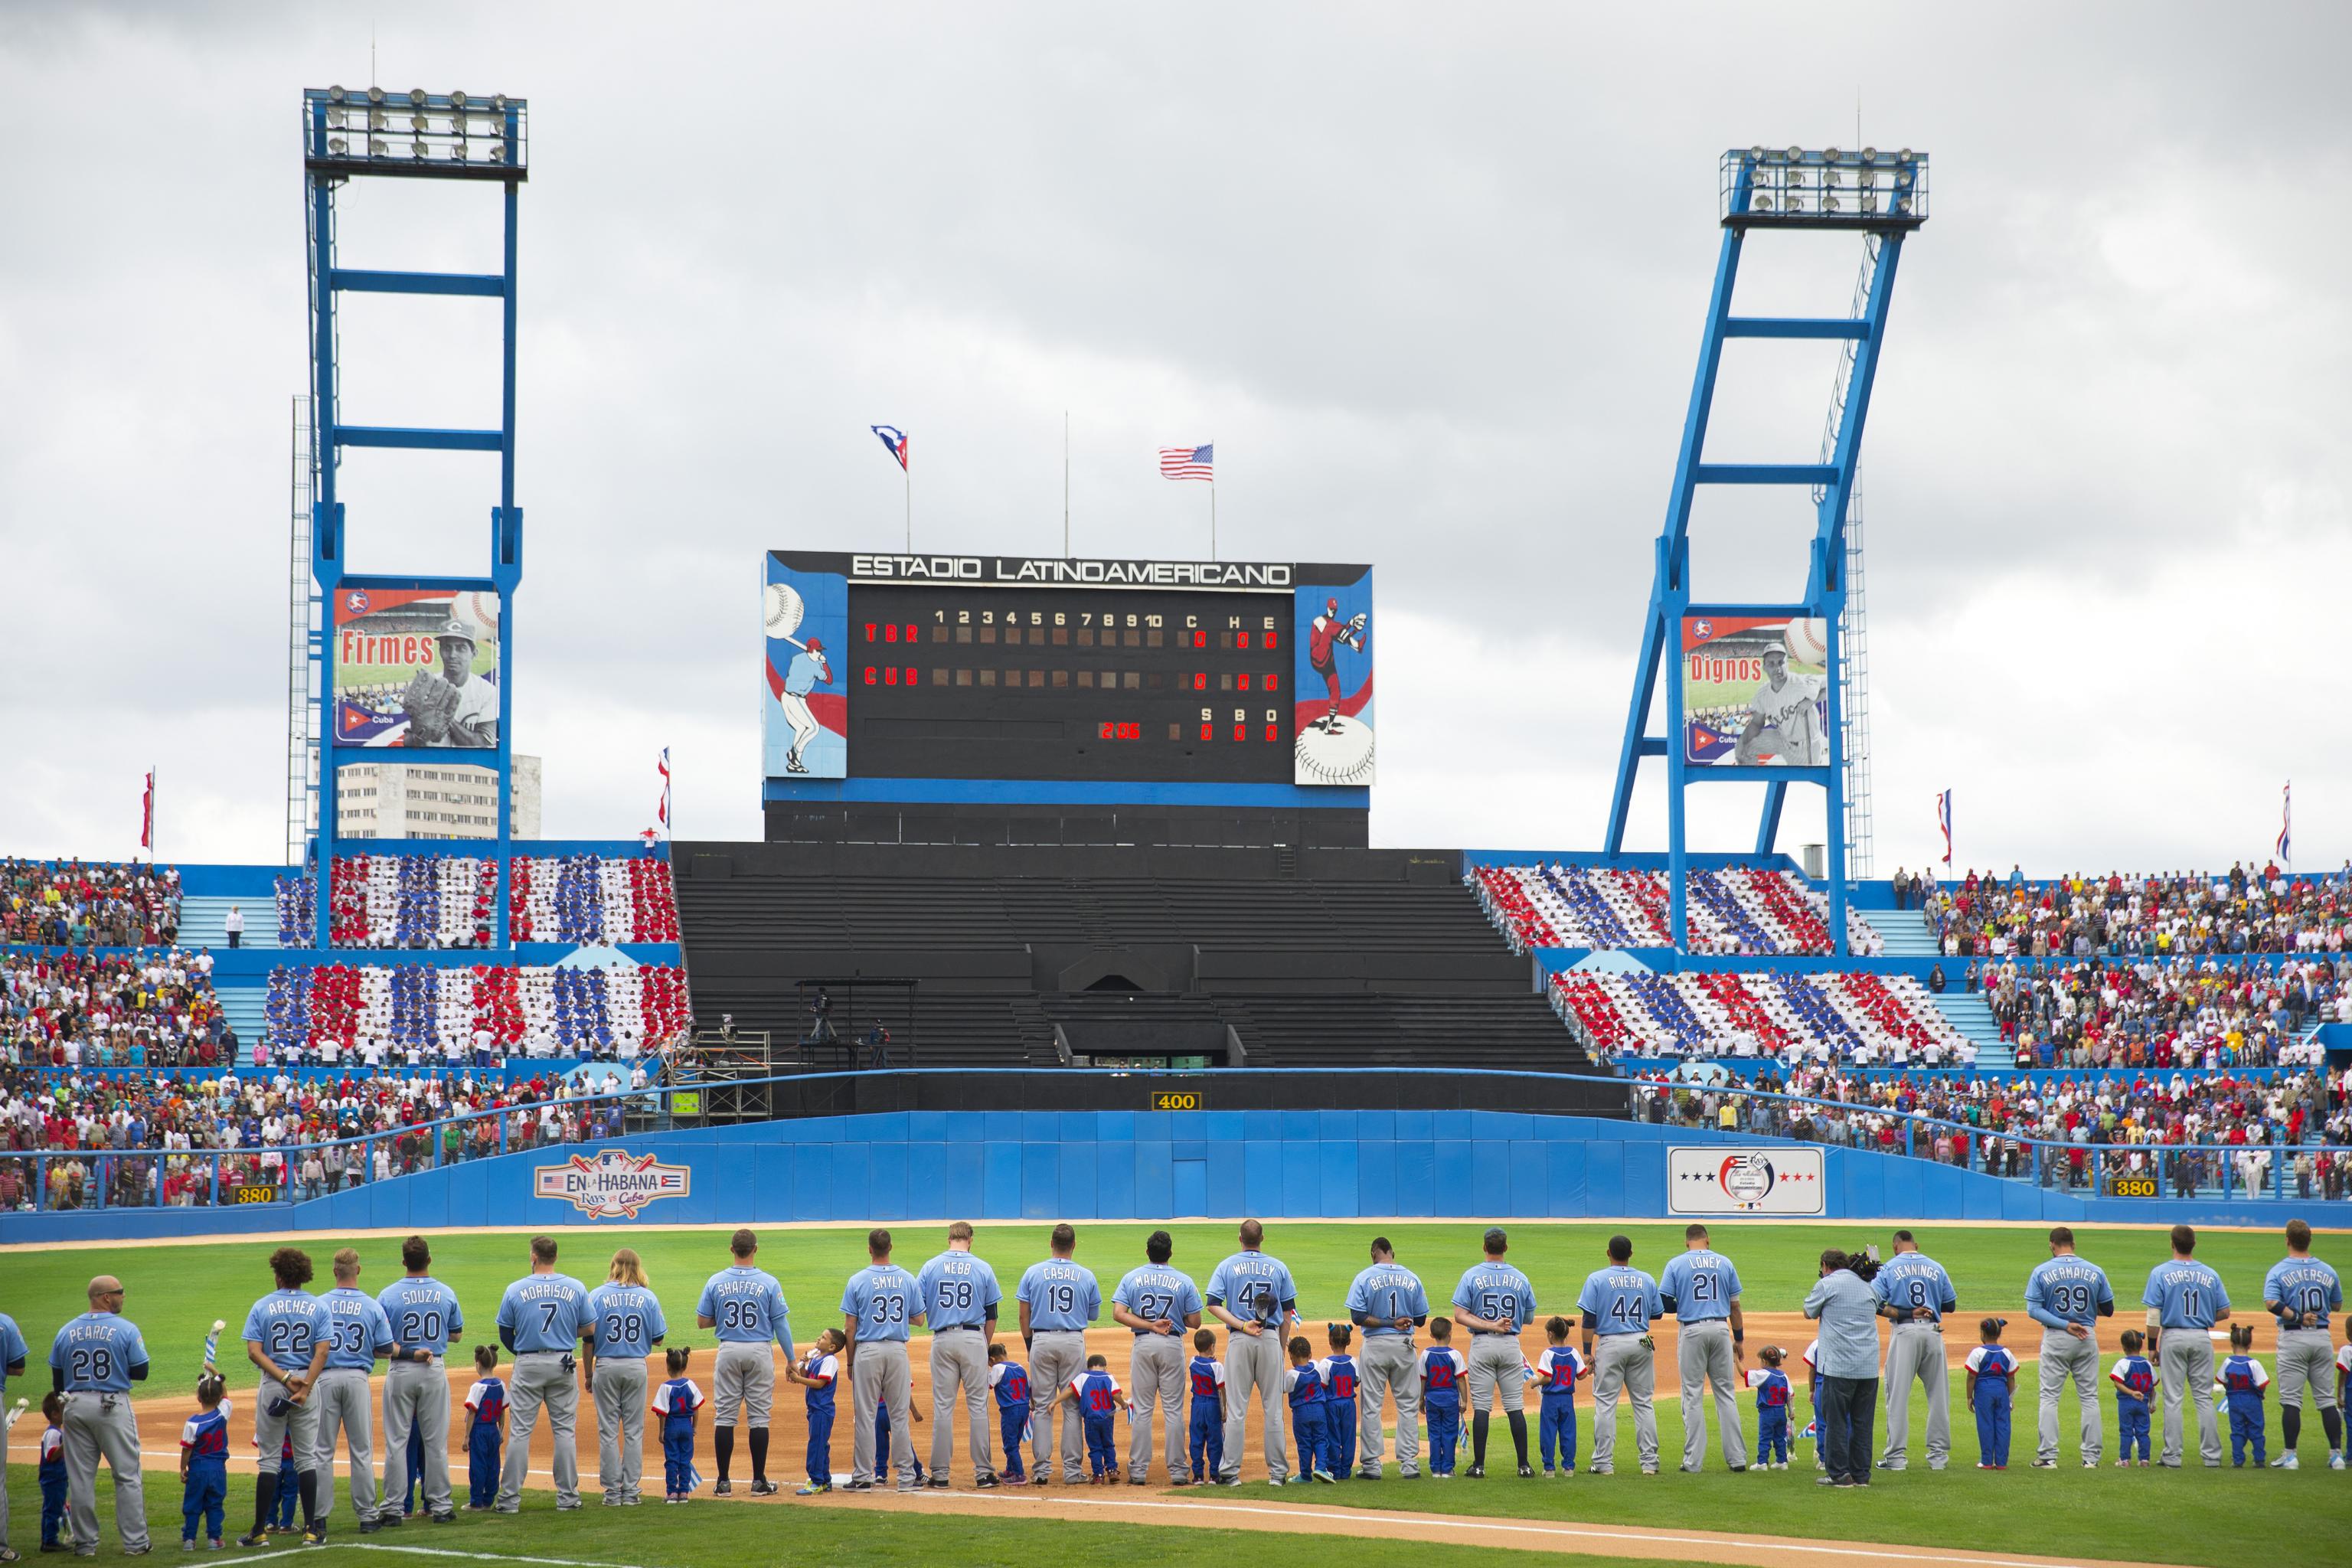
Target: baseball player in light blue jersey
13 1354
1618 1304
879 1308
1160 1304
425 1320
1914 1290
626 1321
542 1318
2184 1301
286 1337
1058 1299
94 1361
357 1335
2302 1292
960 1299
1387 1303
2067 1296
1494 1301
1252 1295
746 1305
1701 1288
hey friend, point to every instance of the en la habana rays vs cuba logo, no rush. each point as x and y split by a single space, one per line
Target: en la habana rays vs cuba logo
614 1184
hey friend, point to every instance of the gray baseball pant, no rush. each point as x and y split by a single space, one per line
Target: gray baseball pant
2065 1358
1253 1362
1497 1367
1386 1367
2186 1371
1704 1352
959 1363
1917 1350
96 1424
1155 1374
299 1425
345 1404
2306 1356
1624 1364
416 1397
3 1471
742 1382
1055 1359
620 1389
541 1378
879 1374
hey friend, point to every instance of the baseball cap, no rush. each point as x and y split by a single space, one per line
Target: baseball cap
456 629
1496 1238
1332 606
816 645
1775 647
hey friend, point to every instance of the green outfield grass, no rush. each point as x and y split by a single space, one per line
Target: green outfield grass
660 1537
177 1289
2193 1516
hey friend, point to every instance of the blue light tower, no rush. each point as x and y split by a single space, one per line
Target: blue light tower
1883 197
373 134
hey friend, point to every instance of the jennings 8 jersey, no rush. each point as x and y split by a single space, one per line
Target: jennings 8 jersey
2301 1285
2069 1288
424 1314
2185 1293
627 1320
746 1306
1497 1291
1914 1280
884 1300
286 1324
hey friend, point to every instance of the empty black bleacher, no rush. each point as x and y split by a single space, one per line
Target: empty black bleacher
975 955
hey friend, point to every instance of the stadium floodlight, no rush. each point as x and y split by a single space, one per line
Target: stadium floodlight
1831 187
456 97
1869 155
418 132
1831 154
498 103
335 95
417 95
419 122
1794 155
338 146
375 95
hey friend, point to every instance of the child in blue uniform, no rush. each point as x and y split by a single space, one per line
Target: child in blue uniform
676 1401
1442 1368
882 1435
53 1473
1008 1382
1207 1376
1992 1380
203 1465
1555 1372
1304 1385
1338 1370
2244 1379
485 1413
415 1467
818 1374
2134 1376
290 1489
1772 1396
1099 1397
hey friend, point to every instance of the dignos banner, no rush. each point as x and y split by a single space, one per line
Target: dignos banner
1725 1179
611 1184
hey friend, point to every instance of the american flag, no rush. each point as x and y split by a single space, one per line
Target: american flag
1189 462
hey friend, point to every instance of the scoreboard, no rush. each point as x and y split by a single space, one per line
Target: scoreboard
1071 671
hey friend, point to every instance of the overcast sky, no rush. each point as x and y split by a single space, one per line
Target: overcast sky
1431 278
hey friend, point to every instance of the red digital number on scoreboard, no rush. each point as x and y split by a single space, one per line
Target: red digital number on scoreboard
1117 732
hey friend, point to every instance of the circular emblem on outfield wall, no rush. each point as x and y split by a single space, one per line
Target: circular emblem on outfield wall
1746 1179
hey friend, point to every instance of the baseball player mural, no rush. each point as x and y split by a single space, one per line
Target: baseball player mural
805 727
417 667
1754 691
1334 731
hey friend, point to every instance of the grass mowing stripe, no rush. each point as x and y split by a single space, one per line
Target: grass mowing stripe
483 1556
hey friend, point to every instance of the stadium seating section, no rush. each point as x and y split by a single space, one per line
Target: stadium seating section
2245 909
82 903
1856 1016
1745 911
335 1013
60 1007
446 900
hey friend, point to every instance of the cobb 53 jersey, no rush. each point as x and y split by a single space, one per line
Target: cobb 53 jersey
1016 667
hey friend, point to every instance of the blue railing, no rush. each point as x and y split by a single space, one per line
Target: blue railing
39 1181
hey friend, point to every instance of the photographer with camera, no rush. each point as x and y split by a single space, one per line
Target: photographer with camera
1847 1309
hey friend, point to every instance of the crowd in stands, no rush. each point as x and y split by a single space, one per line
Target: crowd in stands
448 900
2247 910
85 903
75 1009
1742 909
147 1138
1861 1018
2148 1013
1984 1123
415 1015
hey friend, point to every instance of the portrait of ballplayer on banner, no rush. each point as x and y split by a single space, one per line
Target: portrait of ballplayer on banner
1754 691
1332 717
805 726
416 668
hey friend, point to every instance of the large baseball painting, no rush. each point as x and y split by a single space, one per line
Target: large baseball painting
1333 669
417 667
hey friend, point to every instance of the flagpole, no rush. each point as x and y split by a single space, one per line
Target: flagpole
1213 519
1065 484
909 469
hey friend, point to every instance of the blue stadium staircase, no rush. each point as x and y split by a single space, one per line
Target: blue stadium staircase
1971 1016
204 922
1907 934
242 1006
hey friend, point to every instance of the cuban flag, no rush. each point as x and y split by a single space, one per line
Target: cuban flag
660 830
1944 821
894 440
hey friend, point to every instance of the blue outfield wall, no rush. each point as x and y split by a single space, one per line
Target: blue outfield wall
1134 1165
